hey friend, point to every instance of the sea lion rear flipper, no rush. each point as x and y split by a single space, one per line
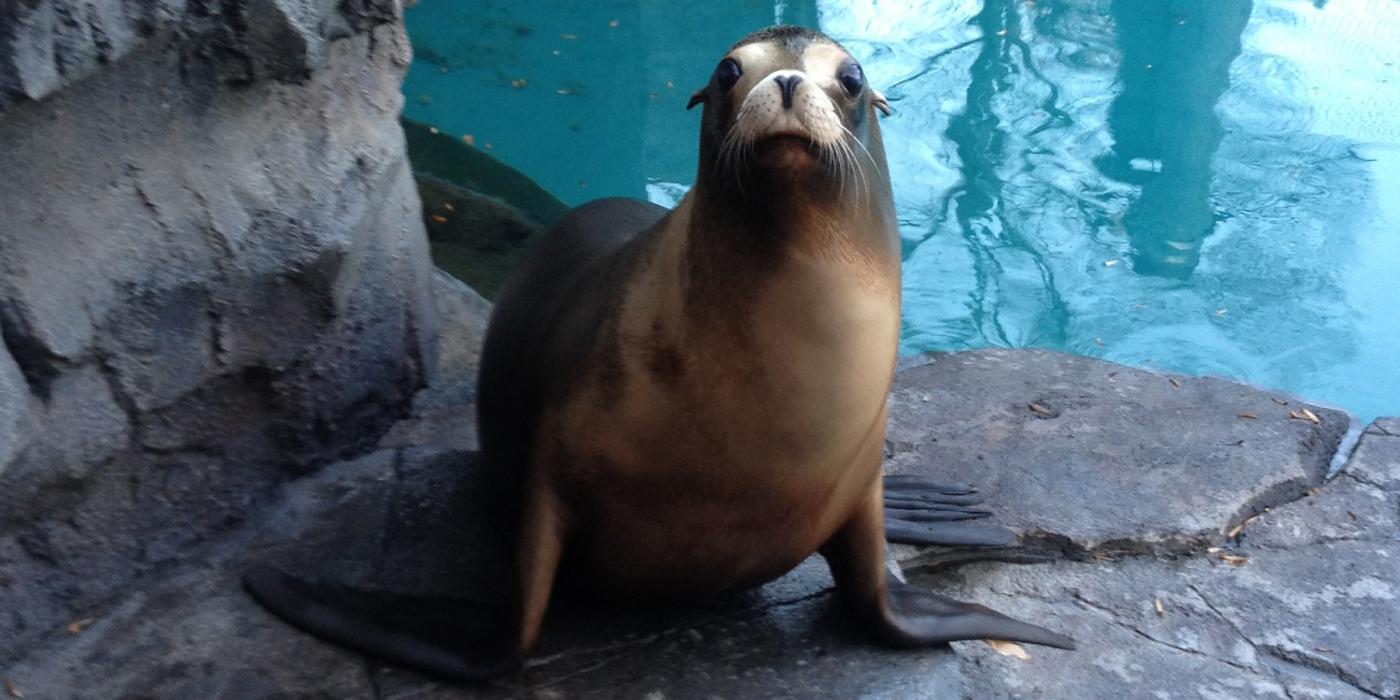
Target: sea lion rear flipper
927 512
904 615
915 617
455 638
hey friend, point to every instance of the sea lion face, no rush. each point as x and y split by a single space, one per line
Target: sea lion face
791 103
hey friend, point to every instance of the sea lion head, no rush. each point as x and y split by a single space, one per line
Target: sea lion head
790 106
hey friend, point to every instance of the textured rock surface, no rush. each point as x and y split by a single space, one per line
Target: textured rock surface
1305 612
47 44
214 277
1097 458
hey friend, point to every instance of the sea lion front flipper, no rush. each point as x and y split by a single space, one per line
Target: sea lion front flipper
904 615
927 512
455 638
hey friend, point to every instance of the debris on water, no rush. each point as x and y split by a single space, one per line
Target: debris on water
568 37
469 139
519 83
613 24
1110 263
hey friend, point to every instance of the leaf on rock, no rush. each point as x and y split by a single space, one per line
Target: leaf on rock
1008 649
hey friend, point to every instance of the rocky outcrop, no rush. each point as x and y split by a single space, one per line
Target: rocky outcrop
213 276
1280 585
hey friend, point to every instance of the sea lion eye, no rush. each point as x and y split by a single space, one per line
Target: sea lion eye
851 77
727 73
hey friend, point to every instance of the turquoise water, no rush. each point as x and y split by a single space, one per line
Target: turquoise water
1202 186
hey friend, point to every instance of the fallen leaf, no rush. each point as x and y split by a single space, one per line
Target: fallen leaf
1248 415
1212 550
519 83
1236 530
80 625
1311 416
1236 443
439 219
1110 263
1098 341
568 37
1221 312
1040 410
12 690
1176 383
1351 515
1008 649
469 139
1314 491
448 206
1323 648
1234 559
489 146
1161 610
432 130
1280 402
670 85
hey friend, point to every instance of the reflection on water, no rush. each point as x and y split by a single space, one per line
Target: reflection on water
1207 186
1174 67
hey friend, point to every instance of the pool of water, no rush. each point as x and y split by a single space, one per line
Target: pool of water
1201 186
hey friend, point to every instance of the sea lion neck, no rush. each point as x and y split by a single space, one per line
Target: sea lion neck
776 218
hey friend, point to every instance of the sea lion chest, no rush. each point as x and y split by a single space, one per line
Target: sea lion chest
716 447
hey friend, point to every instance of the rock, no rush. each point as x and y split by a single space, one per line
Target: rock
14 409
477 239
1296 603
47 44
1095 458
448 159
215 278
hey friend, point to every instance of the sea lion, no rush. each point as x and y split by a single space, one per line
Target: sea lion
687 402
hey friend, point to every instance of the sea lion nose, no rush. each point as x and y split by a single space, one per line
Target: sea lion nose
788 83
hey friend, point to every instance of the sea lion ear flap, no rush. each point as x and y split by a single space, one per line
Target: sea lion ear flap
696 99
877 98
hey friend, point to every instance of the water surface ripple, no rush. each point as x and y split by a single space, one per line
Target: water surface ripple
1202 186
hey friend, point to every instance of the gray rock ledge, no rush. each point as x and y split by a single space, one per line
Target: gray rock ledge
1168 595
